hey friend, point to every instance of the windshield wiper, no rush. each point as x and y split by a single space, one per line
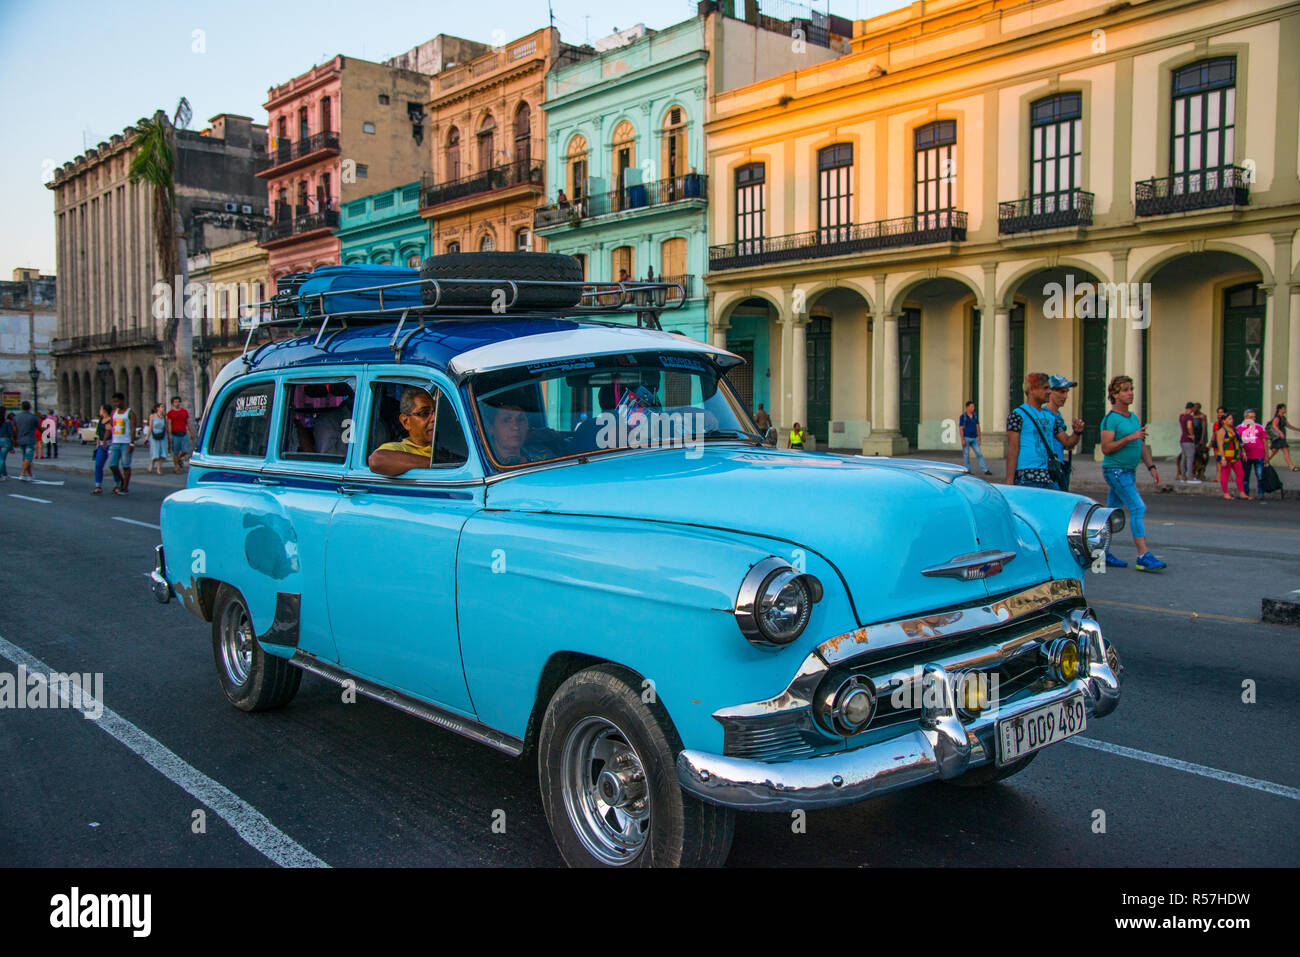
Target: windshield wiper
733 434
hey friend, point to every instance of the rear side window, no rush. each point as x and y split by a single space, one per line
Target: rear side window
244 422
317 421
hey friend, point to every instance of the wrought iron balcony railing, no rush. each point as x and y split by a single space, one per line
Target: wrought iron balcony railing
1053 211
102 340
1202 189
945 226
530 173
686 281
302 223
286 151
661 192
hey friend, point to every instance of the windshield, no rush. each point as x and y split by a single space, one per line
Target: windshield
584 405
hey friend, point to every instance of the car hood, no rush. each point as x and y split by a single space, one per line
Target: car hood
879 521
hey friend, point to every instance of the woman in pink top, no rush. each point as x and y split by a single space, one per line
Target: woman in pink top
1255 448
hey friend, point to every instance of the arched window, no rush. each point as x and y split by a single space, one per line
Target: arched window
576 161
621 265
453 154
486 143
1055 151
413 261
523 138
936 173
623 145
487 243
523 240
835 191
1204 125
453 246
673 159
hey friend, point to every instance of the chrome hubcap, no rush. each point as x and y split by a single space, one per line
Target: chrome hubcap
605 791
236 642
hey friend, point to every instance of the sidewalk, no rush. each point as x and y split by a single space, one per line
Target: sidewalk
77 462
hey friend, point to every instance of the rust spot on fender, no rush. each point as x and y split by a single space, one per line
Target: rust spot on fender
189 596
858 637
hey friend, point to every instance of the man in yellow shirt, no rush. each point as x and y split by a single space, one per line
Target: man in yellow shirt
417 411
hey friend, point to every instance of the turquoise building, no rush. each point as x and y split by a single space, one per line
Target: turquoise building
384 228
625 139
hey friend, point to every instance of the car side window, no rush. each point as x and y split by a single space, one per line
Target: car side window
244 422
317 421
392 428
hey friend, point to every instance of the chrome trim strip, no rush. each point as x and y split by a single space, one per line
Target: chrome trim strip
943 750
957 566
949 624
346 477
446 720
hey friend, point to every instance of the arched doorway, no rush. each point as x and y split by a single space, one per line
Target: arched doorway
137 393
1241 353
909 375
931 360
748 336
818 346
151 388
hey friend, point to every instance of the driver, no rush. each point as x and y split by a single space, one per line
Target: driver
508 430
416 411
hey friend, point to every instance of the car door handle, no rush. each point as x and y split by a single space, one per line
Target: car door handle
353 489
263 480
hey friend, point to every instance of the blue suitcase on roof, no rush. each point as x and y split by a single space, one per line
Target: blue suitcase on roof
338 280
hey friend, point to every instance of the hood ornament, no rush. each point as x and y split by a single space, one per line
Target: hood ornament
972 566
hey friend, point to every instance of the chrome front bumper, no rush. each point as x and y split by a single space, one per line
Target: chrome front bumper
162 592
941 747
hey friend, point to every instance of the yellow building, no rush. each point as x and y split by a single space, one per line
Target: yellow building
983 189
489 146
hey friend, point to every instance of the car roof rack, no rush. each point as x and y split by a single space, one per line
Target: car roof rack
643 298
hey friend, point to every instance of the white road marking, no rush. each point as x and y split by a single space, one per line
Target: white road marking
28 498
46 482
1226 776
249 823
131 521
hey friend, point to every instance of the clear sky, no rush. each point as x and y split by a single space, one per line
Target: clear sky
74 72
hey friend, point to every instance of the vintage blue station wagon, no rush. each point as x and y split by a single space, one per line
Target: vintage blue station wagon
507 510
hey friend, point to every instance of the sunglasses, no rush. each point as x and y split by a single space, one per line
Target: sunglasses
421 413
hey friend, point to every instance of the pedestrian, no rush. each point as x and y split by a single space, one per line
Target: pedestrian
1186 444
26 426
103 433
1060 388
796 437
1254 449
8 439
1228 445
121 444
1123 445
763 422
1032 461
178 439
1277 427
1220 413
970 437
157 431
1200 426
50 434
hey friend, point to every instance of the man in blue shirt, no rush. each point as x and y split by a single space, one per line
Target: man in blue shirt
1060 387
970 437
1030 428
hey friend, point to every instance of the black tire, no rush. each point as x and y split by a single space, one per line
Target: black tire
252 679
541 267
678 830
991 773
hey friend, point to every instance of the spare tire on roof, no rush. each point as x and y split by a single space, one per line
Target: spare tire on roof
538 267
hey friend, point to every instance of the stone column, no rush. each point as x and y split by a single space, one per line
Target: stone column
1001 367
717 327
885 438
1291 394
1280 341
799 372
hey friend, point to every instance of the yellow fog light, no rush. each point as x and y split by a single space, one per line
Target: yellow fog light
1063 659
972 693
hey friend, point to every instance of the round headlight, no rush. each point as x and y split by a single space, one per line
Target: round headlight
972 693
775 602
784 607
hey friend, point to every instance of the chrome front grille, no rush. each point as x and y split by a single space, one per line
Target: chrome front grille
776 737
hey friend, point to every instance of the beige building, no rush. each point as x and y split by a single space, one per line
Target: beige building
983 189
234 280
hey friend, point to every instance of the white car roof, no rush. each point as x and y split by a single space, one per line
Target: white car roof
575 343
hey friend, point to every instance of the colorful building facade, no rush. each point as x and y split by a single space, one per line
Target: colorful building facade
385 229
983 190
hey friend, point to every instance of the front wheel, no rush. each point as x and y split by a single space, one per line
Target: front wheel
606 765
252 679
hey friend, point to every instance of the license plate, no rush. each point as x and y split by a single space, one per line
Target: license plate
1031 730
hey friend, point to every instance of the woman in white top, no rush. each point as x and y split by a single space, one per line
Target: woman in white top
156 429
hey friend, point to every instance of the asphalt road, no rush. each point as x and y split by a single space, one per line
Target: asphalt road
1185 771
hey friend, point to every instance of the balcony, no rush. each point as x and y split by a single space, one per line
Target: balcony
125 339
302 223
1054 211
1185 192
676 189
530 173
948 226
686 281
289 155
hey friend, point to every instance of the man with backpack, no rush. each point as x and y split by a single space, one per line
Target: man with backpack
1030 458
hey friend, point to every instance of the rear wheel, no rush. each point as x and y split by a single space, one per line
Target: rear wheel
606 766
991 773
252 679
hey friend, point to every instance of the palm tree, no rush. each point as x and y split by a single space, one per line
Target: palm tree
155 165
